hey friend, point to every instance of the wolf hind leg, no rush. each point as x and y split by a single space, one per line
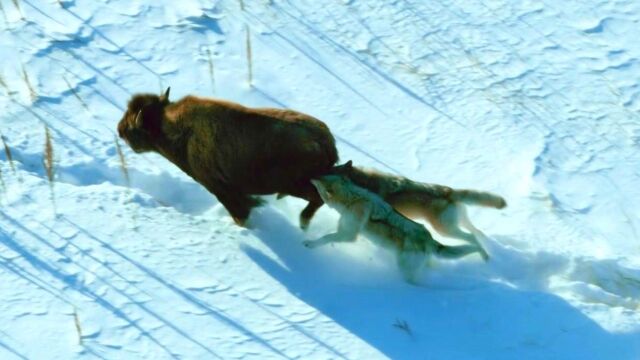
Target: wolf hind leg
410 264
464 221
306 191
471 238
448 224
455 252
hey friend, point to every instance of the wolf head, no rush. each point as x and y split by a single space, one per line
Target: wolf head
142 122
344 169
333 189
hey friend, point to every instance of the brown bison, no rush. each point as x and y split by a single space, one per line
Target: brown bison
232 150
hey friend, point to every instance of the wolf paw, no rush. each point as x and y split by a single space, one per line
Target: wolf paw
485 256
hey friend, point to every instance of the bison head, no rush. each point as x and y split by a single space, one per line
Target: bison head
141 124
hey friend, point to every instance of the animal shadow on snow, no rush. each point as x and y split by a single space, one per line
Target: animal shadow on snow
463 309
61 282
181 193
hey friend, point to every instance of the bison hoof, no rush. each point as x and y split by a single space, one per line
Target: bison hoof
240 221
304 223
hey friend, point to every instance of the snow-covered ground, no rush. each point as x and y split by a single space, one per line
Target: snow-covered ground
535 100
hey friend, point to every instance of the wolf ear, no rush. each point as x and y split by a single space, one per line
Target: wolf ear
348 164
164 99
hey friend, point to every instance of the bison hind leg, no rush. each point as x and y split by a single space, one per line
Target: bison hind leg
305 190
256 201
308 212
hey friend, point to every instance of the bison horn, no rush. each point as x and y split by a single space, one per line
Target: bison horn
165 98
138 121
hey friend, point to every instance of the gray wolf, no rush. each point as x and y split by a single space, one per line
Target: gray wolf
442 206
363 211
232 150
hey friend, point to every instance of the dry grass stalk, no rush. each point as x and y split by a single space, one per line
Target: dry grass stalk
3 187
7 152
4 14
211 72
123 162
49 164
75 93
16 3
3 83
125 172
76 321
48 154
249 56
25 77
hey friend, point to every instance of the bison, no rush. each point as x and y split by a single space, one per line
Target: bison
232 150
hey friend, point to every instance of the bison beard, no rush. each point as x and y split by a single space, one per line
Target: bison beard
232 150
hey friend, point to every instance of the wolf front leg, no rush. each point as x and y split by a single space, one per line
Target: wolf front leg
348 228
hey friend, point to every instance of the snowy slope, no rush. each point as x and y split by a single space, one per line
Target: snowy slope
536 101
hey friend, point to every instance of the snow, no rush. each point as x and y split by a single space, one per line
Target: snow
536 101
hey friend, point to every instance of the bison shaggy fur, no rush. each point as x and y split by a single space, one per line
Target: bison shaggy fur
232 150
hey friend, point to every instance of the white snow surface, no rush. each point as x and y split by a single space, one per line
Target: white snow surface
535 100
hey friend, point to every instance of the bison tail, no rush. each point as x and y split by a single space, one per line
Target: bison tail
331 152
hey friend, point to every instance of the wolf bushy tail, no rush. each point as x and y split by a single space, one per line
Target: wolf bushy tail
473 197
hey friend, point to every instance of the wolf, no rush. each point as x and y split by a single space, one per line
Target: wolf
363 211
442 206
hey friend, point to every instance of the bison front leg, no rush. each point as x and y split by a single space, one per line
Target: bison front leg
238 204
